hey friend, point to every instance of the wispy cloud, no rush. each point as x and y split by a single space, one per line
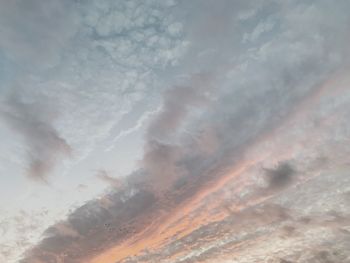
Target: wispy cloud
34 123
114 182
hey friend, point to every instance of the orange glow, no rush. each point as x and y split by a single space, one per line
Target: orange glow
196 212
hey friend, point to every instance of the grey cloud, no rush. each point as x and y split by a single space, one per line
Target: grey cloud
177 103
160 161
116 217
62 229
34 122
280 176
162 151
273 77
277 74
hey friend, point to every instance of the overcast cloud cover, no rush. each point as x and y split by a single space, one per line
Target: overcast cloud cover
171 131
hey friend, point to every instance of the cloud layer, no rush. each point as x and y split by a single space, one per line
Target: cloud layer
246 114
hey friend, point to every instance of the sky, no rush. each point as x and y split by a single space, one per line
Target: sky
174 131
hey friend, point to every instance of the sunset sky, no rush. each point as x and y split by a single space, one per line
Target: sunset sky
174 131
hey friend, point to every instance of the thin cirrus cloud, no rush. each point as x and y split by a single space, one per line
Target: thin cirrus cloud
249 79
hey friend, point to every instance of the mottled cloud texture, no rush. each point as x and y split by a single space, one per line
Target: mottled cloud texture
231 168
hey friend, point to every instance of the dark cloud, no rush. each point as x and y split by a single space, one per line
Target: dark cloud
280 176
91 227
34 122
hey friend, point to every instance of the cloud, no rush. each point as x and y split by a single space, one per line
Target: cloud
207 125
280 176
162 152
138 125
274 74
160 161
177 104
62 229
34 123
97 61
110 180
116 215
